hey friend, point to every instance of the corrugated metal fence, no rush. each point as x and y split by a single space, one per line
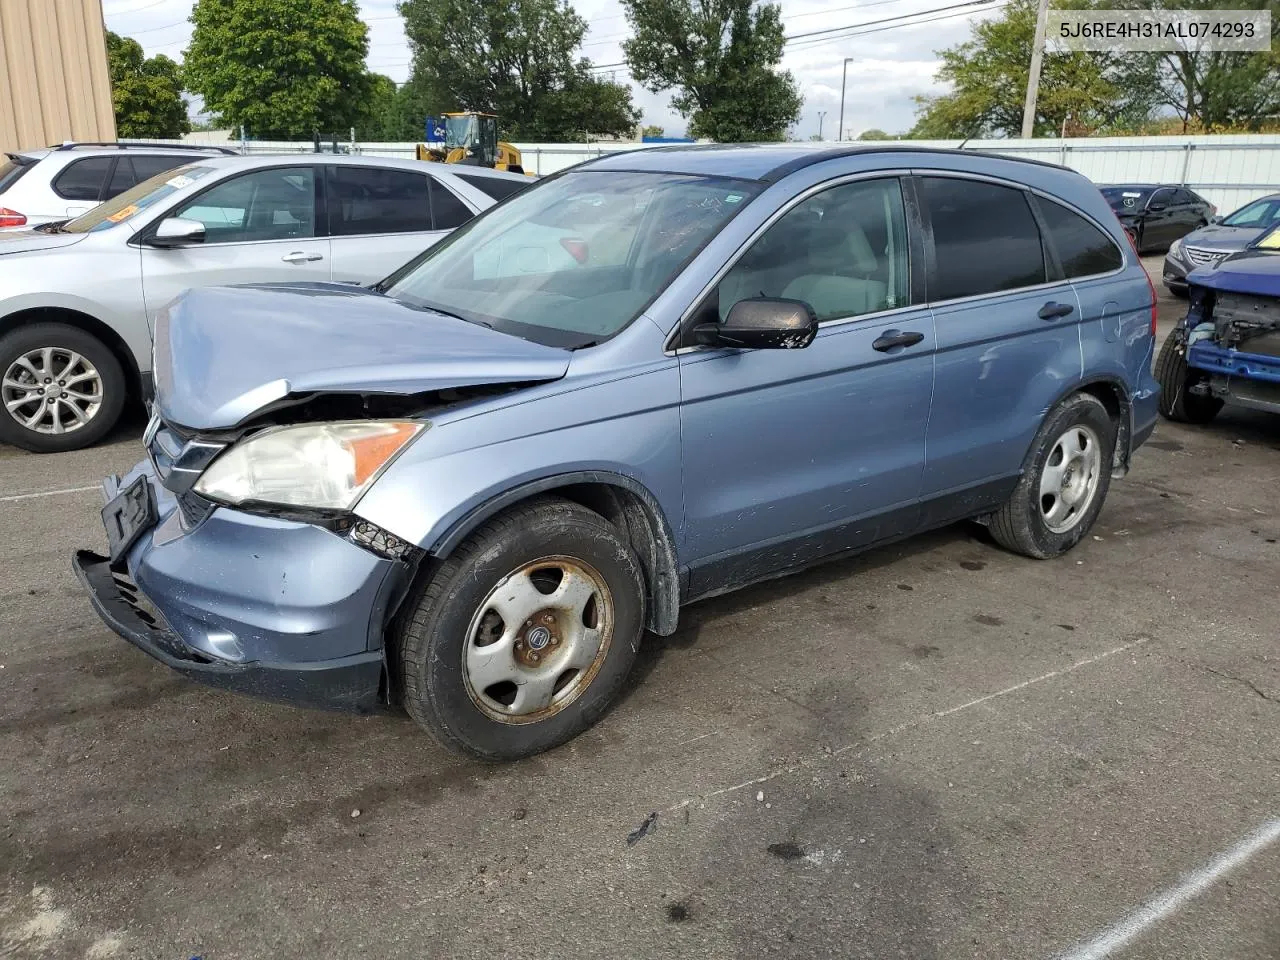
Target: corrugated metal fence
1228 171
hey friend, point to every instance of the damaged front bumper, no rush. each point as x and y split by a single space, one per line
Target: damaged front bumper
1238 377
270 607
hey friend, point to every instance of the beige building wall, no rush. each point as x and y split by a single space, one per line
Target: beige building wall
54 83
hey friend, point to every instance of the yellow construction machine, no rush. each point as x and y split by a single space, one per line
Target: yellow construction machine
470 138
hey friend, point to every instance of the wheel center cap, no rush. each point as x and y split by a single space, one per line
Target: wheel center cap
538 638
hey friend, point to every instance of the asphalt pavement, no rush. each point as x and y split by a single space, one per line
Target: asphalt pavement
935 750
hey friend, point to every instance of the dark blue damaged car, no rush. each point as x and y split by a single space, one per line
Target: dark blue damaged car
656 377
1227 348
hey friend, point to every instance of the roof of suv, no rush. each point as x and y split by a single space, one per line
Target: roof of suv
764 161
293 159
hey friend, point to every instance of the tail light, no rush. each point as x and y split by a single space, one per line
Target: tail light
11 218
1133 245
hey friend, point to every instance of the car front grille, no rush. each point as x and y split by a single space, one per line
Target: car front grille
1201 256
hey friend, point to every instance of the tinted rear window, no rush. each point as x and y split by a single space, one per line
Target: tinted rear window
495 187
377 200
82 179
447 211
1083 248
146 166
1126 198
11 172
985 238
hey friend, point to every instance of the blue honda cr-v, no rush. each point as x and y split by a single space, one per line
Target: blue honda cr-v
655 377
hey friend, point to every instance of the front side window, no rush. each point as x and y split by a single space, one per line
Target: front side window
1082 247
984 236
377 200
574 259
277 203
842 251
82 179
496 188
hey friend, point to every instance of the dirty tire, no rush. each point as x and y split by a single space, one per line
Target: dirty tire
1019 524
22 341
1175 377
434 637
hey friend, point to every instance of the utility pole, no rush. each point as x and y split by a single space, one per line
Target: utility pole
844 75
821 114
1033 75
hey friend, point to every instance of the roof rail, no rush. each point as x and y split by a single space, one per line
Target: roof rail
129 144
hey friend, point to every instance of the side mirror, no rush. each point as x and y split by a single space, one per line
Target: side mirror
763 323
177 232
1216 218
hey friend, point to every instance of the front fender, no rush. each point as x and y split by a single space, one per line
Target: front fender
627 427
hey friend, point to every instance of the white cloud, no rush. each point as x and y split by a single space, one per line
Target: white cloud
887 68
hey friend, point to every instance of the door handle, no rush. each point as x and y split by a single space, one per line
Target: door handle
896 338
1052 311
299 257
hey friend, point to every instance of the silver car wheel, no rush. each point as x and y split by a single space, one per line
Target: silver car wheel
538 640
51 390
1069 480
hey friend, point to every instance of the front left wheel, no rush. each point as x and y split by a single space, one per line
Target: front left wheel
524 635
60 388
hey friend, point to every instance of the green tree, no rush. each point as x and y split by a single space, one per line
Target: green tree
652 131
874 134
721 58
1088 91
1217 91
146 94
378 120
516 59
283 69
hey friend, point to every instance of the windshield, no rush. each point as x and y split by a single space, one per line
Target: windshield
1126 198
1260 213
573 260
459 131
136 199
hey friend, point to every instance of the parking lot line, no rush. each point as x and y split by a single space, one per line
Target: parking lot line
1170 900
909 724
48 493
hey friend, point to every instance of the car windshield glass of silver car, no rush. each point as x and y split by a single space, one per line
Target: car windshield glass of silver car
1260 213
573 260
136 199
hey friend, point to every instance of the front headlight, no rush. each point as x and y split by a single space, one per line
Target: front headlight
1175 248
323 465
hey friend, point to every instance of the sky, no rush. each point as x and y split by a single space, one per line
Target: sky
888 65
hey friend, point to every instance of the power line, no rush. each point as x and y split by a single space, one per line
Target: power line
904 16
125 13
812 44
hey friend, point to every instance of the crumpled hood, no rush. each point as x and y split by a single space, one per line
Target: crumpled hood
34 241
1217 237
1254 271
224 353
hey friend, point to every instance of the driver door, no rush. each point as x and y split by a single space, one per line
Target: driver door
260 227
791 455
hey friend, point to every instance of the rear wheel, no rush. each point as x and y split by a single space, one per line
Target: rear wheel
1178 401
524 636
60 388
1064 481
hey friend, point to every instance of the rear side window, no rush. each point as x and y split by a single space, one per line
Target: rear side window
83 179
447 211
366 200
147 166
1083 249
122 179
11 172
494 187
985 238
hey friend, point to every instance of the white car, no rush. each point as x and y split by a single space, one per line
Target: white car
78 299
58 183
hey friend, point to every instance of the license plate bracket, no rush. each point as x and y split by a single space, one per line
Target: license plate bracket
128 515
